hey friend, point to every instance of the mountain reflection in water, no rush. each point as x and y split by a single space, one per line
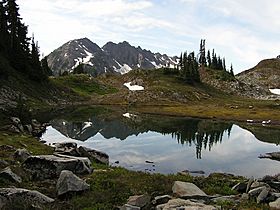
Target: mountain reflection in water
173 144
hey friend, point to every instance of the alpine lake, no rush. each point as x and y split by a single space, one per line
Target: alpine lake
161 144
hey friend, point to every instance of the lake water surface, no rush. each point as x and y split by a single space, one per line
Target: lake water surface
169 145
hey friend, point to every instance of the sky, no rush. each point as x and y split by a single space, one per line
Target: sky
243 31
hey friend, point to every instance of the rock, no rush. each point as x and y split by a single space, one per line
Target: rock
7 148
17 123
240 187
17 198
245 197
35 124
161 199
94 155
139 200
184 173
231 198
21 155
256 192
180 204
250 182
186 189
7 174
262 196
14 129
61 147
275 204
257 184
272 155
50 166
129 207
69 182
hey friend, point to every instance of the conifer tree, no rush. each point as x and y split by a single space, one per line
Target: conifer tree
231 70
209 61
3 29
224 64
45 67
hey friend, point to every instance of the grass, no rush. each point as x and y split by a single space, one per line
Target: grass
83 85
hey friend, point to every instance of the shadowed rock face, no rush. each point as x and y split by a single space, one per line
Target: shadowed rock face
114 58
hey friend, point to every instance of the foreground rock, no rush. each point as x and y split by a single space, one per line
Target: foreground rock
176 204
186 189
275 204
8 174
70 148
69 183
17 198
50 166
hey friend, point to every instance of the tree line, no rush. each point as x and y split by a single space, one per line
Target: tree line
21 51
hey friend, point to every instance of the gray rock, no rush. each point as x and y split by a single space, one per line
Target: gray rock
69 182
250 182
11 198
14 129
62 147
130 207
28 128
180 204
256 192
245 197
257 184
94 155
3 163
8 174
50 166
139 200
35 124
21 155
7 148
161 199
16 121
262 196
231 198
186 189
275 204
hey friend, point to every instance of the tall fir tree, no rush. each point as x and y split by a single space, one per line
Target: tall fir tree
231 70
209 60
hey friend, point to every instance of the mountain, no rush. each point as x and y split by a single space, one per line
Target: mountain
112 57
266 74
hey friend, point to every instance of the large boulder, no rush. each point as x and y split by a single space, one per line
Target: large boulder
17 198
50 166
275 204
94 155
8 174
187 189
69 183
139 200
176 204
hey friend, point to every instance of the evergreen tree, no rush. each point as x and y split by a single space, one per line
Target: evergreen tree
3 29
45 67
224 64
231 70
209 60
79 69
202 58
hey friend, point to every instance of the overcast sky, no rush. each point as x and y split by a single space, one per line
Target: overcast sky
244 31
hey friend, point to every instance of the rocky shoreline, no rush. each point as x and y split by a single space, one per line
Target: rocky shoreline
69 165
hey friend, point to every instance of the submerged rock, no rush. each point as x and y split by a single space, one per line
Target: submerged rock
187 189
69 182
17 198
50 166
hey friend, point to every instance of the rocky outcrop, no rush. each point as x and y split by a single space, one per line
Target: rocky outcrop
70 148
50 166
271 155
187 189
17 198
69 183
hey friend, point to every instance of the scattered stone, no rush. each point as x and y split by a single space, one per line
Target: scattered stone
257 184
256 192
7 148
262 196
28 128
13 198
9 175
275 204
69 182
150 162
251 107
50 166
240 187
35 124
13 129
250 182
231 198
139 200
62 147
161 199
21 155
187 189
180 204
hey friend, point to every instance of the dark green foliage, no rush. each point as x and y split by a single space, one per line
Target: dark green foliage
15 44
45 67
209 60
189 68
231 70
170 71
22 110
79 69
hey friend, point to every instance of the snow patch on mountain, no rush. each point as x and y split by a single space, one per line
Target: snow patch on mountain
133 87
275 91
124 69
